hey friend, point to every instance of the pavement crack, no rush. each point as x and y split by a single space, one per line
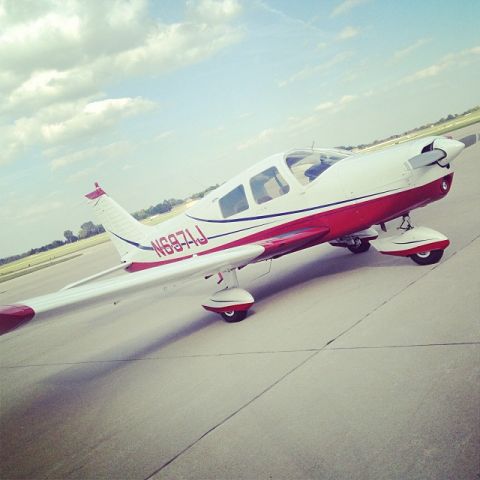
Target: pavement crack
399 292
233 354
411 345
235 412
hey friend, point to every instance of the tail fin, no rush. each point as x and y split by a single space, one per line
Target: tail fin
125 232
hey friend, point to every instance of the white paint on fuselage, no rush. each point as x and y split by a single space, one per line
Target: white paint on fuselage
346 182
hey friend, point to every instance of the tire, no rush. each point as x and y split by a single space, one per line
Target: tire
234 316
361 247
427 258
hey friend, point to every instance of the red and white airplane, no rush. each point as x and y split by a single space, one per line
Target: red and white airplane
285 203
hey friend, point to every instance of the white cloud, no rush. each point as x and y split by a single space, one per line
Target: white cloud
325 106
99 153
94 117
464 57
15 139
164 135
312 70
81 174
347 33
399 54
345 7
262 137
62 35
213 11
48 87
175 46
38 210
55 57
335 106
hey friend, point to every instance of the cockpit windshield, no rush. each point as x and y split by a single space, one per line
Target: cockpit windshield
307 165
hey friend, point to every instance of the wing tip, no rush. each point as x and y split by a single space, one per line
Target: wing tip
12 316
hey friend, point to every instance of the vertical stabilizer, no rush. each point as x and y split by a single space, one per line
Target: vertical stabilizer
126 233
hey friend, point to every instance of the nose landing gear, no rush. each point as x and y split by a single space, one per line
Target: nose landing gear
423 245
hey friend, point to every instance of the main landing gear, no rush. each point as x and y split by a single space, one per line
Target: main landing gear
358 242
232 302
359 246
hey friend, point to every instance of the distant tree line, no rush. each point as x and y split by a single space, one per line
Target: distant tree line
162 207
421 127
89 229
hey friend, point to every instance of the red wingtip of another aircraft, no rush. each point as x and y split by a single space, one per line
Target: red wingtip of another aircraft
98 192
12 316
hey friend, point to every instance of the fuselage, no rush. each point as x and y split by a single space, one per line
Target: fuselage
330 188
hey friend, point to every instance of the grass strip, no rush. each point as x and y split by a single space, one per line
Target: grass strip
26 271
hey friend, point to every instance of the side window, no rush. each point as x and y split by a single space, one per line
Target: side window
307 166
268 185
233 202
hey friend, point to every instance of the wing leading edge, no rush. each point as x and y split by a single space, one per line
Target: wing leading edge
87 291
12 316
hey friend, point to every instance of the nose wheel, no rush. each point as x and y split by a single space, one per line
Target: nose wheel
427 258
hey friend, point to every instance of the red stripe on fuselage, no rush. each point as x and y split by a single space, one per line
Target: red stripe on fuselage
339 221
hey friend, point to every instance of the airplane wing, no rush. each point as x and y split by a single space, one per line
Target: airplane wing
12 316
87 291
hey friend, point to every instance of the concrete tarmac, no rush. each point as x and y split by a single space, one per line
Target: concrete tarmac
348 367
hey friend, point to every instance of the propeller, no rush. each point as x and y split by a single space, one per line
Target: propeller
469 140
427 158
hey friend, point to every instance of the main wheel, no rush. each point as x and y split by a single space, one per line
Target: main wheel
427 258
360 247
233 316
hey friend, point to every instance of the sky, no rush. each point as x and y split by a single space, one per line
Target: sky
161 99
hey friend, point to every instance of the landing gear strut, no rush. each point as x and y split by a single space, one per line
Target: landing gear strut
358 242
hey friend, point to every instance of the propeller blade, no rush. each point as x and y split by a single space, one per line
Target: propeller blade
469 140
427 158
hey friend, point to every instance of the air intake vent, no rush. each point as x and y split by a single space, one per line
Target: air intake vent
427 148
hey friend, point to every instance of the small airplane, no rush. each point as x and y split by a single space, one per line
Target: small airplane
285 203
